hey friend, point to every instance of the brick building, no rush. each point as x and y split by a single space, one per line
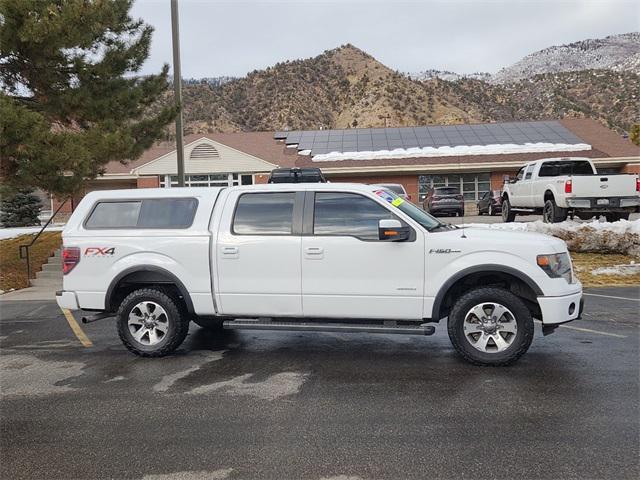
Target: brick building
474 158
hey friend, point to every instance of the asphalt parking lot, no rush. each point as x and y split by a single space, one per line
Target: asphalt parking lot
318 405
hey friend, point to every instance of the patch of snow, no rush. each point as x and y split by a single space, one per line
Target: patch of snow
630 269
446 151
622 236
17 231
304 152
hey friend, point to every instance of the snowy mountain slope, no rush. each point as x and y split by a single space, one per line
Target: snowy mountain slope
447 75
615 52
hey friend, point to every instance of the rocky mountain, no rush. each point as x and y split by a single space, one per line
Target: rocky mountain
616 52
447 75
347 87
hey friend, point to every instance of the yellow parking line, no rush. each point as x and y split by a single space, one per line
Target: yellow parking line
80 335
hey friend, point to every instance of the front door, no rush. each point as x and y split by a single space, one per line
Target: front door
258 255
347 271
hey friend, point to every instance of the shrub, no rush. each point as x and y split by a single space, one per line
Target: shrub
20 209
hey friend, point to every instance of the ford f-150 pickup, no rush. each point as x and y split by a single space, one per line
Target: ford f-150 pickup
310 257
557 187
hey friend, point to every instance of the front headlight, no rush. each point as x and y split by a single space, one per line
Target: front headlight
556 265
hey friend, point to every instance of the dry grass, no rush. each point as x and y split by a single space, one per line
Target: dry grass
13 270
584 263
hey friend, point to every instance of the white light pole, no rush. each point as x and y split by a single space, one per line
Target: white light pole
177 89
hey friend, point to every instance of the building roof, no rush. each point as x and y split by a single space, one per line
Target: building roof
567 137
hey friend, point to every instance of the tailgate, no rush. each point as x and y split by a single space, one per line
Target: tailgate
604 186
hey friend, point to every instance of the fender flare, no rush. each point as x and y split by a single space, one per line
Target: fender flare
488 268
148 268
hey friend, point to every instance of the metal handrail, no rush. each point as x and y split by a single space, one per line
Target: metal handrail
24 249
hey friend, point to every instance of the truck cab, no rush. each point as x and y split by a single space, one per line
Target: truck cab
309 256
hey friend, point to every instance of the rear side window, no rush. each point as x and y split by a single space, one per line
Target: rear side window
348 214
264 214
557 168
147 213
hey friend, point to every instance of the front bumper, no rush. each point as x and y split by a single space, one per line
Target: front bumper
556 310
67 300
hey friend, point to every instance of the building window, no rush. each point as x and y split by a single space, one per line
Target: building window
208 180
471 185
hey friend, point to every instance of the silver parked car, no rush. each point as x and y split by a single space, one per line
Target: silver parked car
396 188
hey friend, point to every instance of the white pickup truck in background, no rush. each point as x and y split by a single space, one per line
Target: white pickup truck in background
310 256
559 187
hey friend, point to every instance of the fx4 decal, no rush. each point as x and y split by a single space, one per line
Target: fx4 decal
99 251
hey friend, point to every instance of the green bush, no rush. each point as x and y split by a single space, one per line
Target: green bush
20 209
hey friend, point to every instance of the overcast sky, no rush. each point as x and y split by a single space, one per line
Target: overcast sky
235 37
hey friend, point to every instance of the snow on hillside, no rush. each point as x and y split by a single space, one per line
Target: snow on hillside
616 52
622 236
447 75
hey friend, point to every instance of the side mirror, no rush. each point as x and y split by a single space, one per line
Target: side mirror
393 231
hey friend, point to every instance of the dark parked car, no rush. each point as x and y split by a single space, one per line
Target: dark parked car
491 203
445 200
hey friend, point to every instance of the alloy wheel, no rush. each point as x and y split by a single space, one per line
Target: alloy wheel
490 327
148 323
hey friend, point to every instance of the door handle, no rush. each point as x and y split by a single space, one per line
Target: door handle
314 253
230 252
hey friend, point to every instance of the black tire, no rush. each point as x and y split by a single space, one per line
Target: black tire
522 316
461 213
508 215
177 323
492 211
209 323
553 213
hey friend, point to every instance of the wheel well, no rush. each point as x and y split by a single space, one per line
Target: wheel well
505 280
548 195
127 282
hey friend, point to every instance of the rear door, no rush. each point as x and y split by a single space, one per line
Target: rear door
258 254
347 272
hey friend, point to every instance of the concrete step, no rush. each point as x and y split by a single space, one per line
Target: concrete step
55 260
52 267
52 283
49 274
58 253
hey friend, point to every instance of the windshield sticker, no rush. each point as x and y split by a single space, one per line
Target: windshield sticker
389 198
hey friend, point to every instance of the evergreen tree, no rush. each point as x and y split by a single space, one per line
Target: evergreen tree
20 209
70 101
634 133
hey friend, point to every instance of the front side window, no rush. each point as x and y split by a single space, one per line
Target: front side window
529 171
146 213
264 214
520 174
348 214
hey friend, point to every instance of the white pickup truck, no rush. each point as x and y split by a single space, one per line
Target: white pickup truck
558 187
325 257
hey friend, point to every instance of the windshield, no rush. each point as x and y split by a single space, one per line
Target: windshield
423 218
446 191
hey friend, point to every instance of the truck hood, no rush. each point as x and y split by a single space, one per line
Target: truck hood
524 244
